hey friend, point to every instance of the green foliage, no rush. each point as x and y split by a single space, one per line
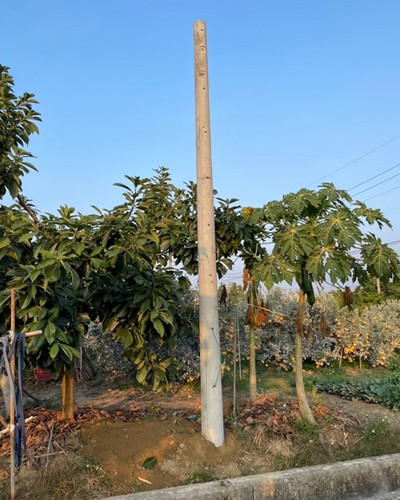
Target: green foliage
51 290
366 295
381 261
17 124
79 267
314 234
385 391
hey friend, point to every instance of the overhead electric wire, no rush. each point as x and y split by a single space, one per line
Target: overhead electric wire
355 160
384 192
377 184
374 177
389 244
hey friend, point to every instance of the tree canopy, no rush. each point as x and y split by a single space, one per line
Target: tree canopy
17 123
318 236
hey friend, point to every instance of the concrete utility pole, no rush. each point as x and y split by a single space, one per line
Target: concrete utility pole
212 418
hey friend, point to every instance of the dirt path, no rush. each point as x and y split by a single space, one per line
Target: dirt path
364 412
101 397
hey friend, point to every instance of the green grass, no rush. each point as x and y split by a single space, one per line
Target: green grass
272 380
268 380
202 475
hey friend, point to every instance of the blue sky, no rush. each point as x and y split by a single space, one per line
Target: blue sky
298 89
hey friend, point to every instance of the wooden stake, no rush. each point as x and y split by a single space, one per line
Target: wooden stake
12 409
212 419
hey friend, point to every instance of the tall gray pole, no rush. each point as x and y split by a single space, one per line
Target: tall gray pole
212 418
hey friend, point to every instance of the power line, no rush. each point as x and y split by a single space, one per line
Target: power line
389 244
374 177
377 184
384 192
355 160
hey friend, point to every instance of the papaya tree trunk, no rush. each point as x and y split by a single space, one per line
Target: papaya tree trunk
305 410
252 366
67 388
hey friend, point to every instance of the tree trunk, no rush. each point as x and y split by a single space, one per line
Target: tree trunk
305 410
68 394
252 366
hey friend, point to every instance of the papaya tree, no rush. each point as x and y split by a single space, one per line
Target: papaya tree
256 317
316 236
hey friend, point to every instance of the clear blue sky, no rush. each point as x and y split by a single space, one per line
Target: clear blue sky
299 88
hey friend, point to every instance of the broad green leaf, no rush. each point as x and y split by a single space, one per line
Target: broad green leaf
96 251
50 332
5 242
159 327
54 351
69 351
141 374
150 463
124 335
99 263
114 251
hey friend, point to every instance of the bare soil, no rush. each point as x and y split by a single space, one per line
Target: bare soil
131 425
260 438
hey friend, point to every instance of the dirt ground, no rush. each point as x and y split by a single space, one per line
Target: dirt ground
133 427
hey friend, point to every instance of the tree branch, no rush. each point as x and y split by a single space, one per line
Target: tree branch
27 208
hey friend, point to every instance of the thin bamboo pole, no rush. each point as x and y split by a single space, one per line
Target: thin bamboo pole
238 342
12 409
234 364
252 350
